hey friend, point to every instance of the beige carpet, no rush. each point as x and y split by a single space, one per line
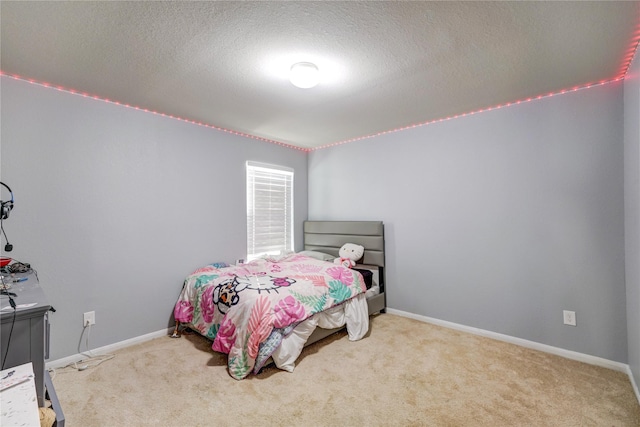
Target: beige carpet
405 373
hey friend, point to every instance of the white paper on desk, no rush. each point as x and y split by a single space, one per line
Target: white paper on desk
19 401
31 304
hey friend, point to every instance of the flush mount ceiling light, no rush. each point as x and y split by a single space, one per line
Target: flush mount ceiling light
304 75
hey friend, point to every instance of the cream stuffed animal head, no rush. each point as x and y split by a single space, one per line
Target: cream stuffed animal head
349 254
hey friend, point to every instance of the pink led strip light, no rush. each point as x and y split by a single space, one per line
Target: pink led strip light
628 58
110 101
482 110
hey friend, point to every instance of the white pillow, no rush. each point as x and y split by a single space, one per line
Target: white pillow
281 256
318 255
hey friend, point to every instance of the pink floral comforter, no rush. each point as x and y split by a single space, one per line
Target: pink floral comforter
239 307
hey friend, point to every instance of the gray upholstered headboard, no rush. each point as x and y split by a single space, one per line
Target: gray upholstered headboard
329 236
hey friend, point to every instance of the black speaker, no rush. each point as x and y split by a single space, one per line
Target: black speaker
5 207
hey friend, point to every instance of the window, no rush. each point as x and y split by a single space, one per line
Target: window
269 209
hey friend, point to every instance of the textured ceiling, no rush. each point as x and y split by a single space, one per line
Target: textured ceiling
387 65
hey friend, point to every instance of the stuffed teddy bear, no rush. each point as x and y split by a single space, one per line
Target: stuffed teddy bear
349 254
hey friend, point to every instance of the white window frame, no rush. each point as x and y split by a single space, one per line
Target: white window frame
269 209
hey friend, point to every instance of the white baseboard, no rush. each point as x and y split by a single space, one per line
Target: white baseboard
574 355
59 363
633 383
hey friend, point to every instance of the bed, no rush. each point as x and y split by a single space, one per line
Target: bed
267 310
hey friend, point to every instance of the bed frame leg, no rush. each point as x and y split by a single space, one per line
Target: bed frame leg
176 331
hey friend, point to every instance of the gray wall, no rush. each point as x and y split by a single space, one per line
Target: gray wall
632 211
498 220
114 207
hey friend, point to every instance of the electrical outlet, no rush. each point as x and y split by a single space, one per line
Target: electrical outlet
569 317
89 318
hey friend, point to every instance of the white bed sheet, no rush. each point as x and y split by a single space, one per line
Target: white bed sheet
354 313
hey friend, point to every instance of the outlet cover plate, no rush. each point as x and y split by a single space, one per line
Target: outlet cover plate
569 317
89 318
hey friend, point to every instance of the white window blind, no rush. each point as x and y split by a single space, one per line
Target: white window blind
269 209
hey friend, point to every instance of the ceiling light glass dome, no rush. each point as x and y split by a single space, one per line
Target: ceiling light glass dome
304 75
